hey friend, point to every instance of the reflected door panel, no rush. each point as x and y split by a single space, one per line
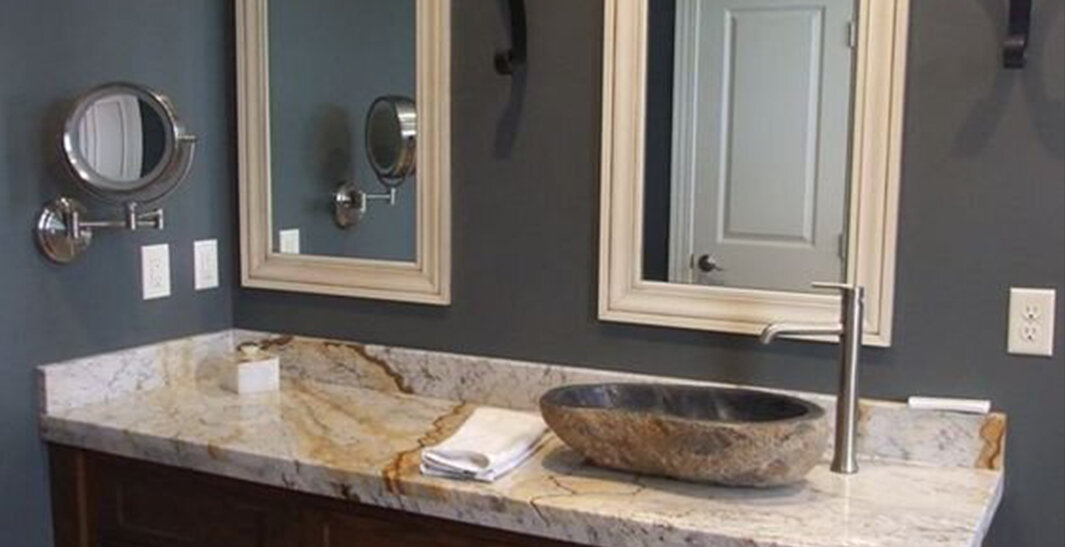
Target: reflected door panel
759 146
110 137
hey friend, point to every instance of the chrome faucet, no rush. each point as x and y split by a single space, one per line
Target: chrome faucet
849 330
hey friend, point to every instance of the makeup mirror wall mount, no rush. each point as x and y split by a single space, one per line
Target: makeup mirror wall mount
124 145
750 149
308 76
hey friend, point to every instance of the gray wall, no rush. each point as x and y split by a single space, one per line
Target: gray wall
983 208
50 51
329 59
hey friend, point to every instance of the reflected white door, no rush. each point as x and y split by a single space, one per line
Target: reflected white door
111 137
761 125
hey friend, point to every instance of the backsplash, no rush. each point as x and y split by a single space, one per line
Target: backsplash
887 430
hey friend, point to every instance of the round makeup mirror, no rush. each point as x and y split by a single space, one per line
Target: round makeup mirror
391 139
123 144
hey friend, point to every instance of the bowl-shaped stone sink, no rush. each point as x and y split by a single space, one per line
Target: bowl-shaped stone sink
733 437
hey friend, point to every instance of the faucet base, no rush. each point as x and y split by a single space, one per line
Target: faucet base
844 467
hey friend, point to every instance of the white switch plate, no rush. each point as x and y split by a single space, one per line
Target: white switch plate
1031 329
290 241
155 271
205 258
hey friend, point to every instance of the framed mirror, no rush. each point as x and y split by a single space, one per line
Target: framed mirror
344 126
750 149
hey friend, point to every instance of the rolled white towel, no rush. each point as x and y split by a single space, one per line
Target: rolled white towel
491 443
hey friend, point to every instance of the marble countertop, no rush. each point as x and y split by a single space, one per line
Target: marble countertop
361 441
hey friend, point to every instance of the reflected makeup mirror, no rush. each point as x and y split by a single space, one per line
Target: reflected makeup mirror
391 147
391 139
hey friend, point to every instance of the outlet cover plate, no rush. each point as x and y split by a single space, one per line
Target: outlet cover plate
155 271
1031 325
205 258
289 241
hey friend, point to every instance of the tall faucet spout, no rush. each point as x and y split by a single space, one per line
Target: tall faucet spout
849 331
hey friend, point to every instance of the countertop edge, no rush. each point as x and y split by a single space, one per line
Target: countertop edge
608 536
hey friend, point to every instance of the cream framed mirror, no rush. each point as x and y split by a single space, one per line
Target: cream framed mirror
304 179
849 130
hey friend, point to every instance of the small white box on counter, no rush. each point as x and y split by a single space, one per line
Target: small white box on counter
252 370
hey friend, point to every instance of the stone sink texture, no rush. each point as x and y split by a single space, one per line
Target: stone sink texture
732 437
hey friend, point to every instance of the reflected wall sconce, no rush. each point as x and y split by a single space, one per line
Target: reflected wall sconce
513 60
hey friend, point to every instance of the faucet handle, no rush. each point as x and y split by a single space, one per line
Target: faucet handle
832 285
847 289
844 287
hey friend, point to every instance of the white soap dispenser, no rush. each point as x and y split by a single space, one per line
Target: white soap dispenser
251 370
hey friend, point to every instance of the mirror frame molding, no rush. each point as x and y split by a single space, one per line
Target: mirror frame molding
427 280
875 156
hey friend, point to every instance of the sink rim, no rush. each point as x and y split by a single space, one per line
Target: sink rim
812 411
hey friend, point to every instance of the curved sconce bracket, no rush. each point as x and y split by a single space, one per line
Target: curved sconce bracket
1015 47
513 60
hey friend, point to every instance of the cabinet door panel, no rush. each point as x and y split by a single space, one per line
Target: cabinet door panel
334 529
154 506
104 501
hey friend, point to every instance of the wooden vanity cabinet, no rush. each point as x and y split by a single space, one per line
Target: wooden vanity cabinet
100 500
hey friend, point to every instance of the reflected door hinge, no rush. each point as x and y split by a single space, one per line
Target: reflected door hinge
852 35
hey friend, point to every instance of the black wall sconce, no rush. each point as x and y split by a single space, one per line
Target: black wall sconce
1015 47
513 60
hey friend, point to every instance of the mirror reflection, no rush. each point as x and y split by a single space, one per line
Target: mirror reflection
747 132
122 139
330 61
391 138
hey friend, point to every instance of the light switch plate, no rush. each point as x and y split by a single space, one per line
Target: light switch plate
155 271
205 258
1031 328
290 241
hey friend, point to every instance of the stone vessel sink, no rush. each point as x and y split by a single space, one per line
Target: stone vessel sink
733 437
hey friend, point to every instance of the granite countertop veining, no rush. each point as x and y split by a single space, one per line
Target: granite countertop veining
349 423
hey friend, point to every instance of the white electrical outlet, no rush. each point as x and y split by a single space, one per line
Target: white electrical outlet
205 257
1031 329
155 271
290 241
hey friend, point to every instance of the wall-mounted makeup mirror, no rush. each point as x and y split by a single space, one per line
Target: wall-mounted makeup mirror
124 145
338 102
391 144
751 148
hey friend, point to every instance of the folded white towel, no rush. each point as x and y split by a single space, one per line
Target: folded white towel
491 443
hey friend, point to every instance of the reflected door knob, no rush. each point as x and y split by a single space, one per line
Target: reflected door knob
707 263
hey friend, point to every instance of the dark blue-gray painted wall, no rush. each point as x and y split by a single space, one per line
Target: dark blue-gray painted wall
983 208
50 51
329 60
